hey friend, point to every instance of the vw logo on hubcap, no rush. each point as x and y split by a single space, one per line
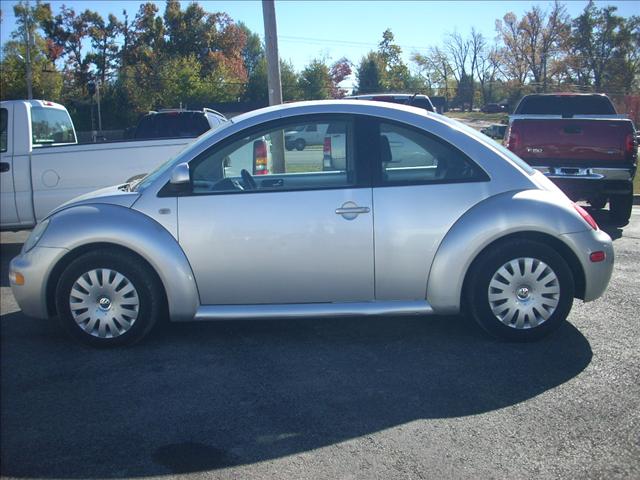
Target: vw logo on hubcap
523 293
104 303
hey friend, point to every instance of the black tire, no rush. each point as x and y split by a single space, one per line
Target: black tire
288 146
300 144
598 203
620 208
490 262
150 297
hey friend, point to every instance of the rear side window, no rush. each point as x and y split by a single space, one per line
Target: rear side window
50 126
4 129
412 157
566 105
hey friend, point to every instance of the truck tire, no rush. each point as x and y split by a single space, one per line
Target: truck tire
108 298
300 144
519 291
620 208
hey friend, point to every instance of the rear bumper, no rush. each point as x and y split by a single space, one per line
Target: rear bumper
596 274
584 183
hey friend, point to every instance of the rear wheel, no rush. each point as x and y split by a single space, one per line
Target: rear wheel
108 298
520 291
598 203
300 144
620 208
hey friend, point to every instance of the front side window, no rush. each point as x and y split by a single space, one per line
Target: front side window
264 161
4 129
51 126
410 156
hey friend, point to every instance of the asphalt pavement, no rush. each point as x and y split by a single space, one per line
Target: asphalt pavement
385 398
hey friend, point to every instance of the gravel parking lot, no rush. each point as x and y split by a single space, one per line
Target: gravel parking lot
329 399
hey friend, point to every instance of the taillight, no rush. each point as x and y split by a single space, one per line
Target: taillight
630 147
585 215
326 147
326 152
598 256
513 140
260 166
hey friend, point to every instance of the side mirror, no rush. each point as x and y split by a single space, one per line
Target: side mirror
180 174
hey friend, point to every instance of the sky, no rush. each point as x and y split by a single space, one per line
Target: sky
335 29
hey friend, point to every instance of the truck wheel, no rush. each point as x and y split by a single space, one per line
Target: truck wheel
598 203
300 144
108 298
520 291
620 208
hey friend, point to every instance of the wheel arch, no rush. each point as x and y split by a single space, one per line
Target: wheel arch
560 247
56 271
85 228
532 214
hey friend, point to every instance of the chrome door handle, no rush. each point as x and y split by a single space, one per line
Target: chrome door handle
352 210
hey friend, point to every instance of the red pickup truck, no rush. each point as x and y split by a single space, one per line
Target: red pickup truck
581 144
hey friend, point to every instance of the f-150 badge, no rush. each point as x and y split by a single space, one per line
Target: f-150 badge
534 150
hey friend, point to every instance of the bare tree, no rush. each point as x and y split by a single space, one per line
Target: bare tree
532 42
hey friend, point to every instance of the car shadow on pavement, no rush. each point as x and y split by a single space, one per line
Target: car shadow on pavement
204 396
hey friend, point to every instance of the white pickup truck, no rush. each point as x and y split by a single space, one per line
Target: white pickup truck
42 166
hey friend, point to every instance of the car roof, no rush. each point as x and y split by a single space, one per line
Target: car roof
387 94
345 106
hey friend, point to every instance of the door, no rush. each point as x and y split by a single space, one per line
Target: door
422 186
8 211
294 234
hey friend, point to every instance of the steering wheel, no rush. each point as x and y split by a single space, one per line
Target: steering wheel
249 182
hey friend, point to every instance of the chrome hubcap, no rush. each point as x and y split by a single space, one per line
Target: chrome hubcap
524 293
104 303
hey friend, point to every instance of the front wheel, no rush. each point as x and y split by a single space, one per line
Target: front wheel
108 298
520 291
300 144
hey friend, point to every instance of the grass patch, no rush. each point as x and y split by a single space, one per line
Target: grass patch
303 168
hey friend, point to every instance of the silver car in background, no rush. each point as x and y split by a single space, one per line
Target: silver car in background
420 216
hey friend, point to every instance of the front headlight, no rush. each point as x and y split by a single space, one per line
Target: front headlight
35 236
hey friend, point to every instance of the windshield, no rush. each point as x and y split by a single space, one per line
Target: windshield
565 105
186 154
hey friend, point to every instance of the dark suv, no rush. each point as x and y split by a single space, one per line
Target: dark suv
178 123
415 100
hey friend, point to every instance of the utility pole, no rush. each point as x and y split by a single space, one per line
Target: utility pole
274 83
27 33
99 113
273 60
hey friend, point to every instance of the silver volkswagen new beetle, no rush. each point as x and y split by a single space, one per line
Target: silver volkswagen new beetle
399 211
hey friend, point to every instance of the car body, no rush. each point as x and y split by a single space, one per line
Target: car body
581 144
178 123
491 108
451 226
495 131
416 100
303 135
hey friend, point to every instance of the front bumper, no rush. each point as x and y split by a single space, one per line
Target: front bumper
35 267
596 274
